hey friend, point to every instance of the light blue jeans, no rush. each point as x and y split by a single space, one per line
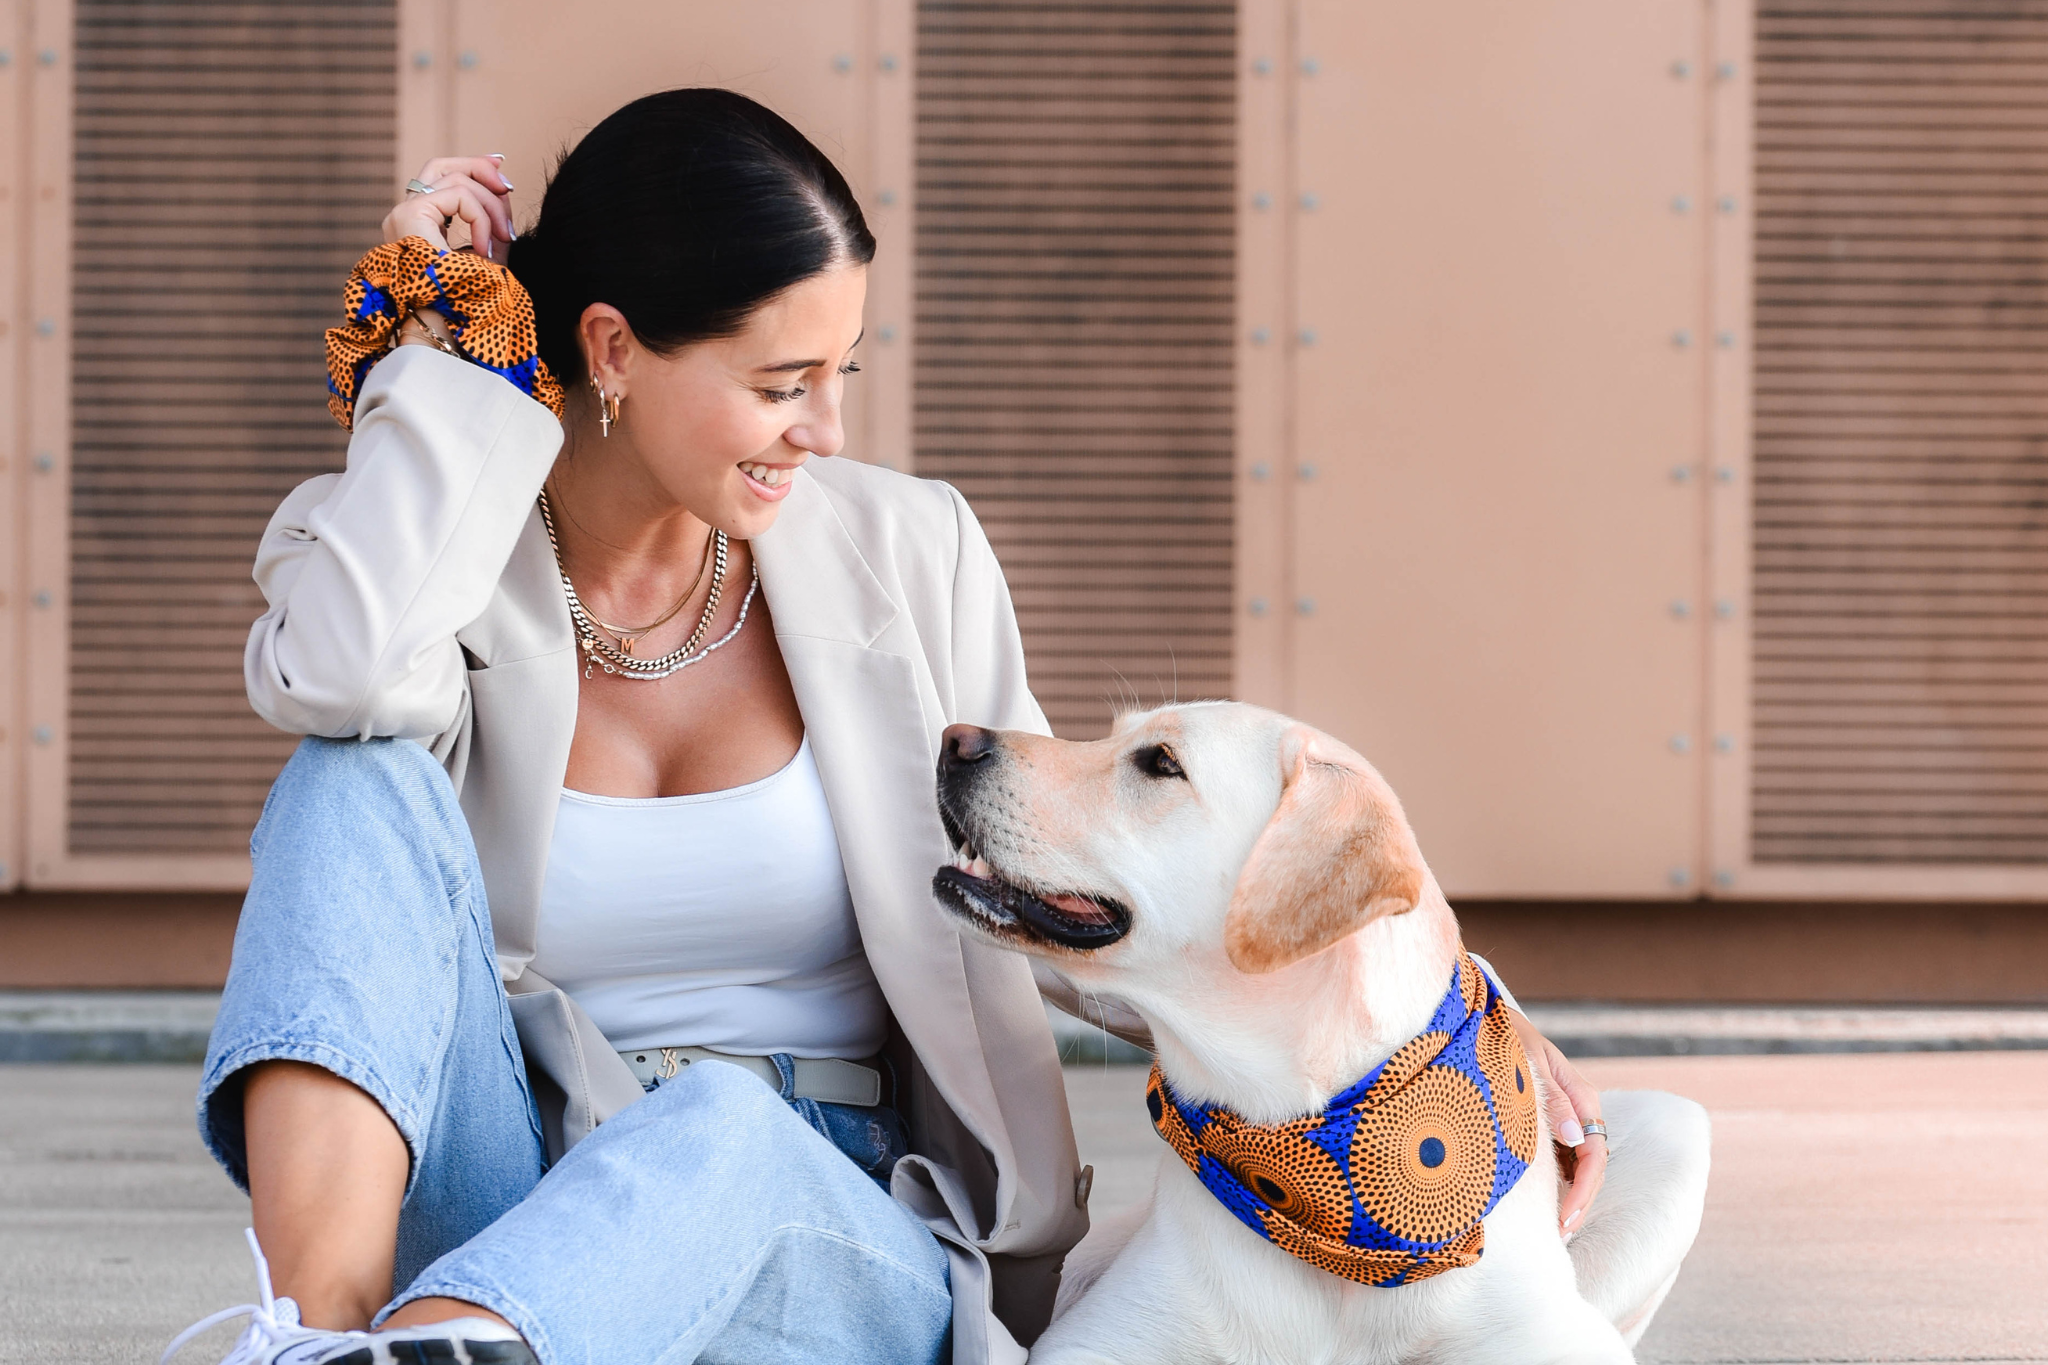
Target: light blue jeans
712 1221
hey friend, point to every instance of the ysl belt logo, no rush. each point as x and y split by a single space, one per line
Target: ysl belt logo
671 1062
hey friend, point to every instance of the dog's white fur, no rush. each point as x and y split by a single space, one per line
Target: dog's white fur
1285 938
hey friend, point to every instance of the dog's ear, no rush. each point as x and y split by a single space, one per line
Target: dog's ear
1337 853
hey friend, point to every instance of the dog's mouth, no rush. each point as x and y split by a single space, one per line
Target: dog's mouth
976 892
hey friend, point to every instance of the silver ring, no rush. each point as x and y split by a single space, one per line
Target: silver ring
417 186
1595 1127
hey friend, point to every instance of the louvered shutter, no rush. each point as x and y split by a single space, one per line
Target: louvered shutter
1075 267
231 160
1901 426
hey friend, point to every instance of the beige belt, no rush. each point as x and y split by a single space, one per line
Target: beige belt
826 1079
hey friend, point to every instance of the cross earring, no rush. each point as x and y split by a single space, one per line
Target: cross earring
607 408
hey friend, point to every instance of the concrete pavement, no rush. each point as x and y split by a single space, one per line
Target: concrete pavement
1864 1208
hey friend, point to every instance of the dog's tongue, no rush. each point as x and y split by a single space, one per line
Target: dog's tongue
1078 908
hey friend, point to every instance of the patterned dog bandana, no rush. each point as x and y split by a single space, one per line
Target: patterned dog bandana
1385 1186
488 313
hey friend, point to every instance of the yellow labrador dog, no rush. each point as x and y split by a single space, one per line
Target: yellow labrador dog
1339 1097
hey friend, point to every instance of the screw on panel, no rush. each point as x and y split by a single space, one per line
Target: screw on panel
1305 606
1681 338
1307 336
1262 66
1724 744
6 58
43 734
1681 203
885 333
1260 336
4 876
1681 70
48 56
42 599
1257 606
1310 201
1310 66
1724 878
1262 201
1725 340
1726 71
1681 473
423 59
1680 876
1726 203
1306 472
888 61
842 63
1724 609
1261 472
886 198
1725 473
1681 608
46 327
1681 744
467 61
43 464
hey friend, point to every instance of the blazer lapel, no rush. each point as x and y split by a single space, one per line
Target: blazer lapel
874 722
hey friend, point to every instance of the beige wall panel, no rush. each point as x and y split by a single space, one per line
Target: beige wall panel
48 413
1731 194
14 463
1499 364
530 78
1264 648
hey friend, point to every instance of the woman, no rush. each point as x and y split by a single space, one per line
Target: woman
609 1018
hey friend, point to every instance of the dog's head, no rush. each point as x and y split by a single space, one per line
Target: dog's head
1196 839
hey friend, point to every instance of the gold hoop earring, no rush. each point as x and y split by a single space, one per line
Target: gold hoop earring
607 408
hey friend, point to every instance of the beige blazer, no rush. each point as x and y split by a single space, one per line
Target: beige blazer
415 595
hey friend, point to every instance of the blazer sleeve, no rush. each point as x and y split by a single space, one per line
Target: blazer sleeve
989 683
370 573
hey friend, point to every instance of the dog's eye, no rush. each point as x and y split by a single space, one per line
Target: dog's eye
1158 761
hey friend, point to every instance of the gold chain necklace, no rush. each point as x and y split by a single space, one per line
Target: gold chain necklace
627 635
600 653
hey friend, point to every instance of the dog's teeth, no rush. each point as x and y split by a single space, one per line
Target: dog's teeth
979 867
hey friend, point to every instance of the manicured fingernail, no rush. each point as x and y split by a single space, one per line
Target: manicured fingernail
1576 1214
497 156
1570 1134
1568 1238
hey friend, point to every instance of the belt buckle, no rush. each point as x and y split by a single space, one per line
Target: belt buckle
671 1063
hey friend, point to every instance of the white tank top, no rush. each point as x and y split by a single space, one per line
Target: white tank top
718 920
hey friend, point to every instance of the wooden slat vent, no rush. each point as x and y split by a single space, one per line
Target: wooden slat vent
1075 275
1901 683
231 162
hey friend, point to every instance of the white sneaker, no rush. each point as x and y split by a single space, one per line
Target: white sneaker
275 1336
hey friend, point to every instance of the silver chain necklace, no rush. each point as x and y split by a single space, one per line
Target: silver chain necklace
599 652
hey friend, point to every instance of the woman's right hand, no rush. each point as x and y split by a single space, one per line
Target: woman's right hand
472 188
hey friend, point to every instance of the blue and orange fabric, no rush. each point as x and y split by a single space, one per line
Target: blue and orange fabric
488 314
1385 1186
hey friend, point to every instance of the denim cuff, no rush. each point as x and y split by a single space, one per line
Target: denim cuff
221 1125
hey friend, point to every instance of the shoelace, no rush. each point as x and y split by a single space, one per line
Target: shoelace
267 1327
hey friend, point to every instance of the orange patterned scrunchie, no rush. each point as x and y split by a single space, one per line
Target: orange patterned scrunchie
487 312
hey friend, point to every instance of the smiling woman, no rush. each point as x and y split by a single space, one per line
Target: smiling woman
640 985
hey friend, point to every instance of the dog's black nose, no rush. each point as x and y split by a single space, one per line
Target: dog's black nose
962 746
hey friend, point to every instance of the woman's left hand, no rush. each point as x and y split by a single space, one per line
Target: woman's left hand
1570 1103
471 188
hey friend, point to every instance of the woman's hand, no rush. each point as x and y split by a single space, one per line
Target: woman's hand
1570 1103
472 188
